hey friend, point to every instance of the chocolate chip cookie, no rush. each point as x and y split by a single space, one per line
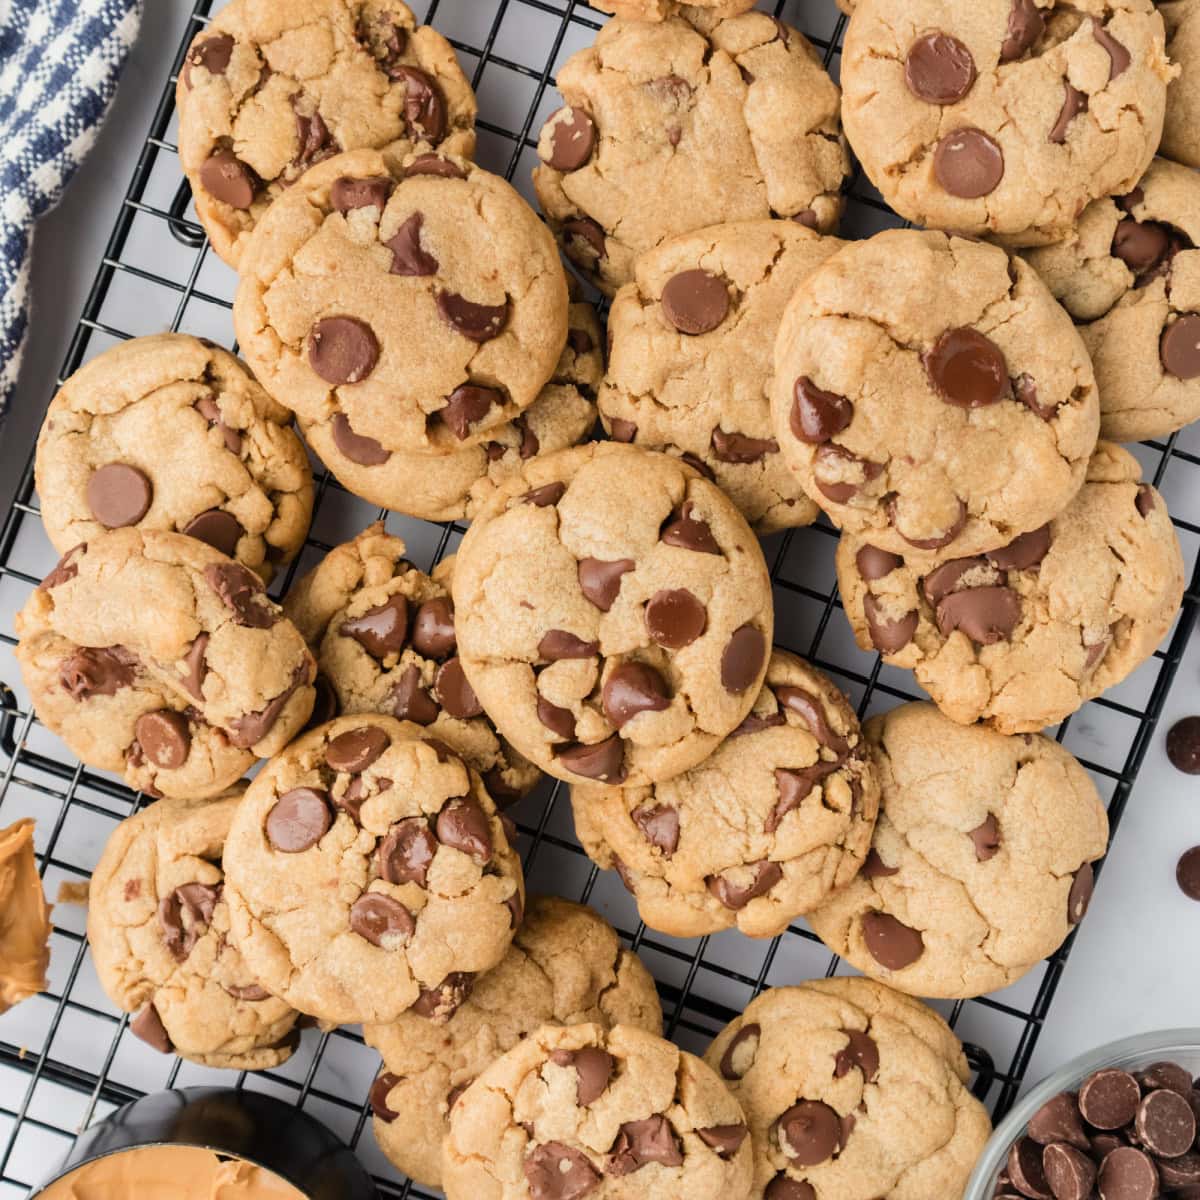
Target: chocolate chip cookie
368 874
575 1111
981 861
1129 273
565 967
1004 117
851 1089
931 395
159 931
1182 19
412 306
446 487
153 655
689 122
614 614
777 817
270 87
383 633
1021 636
690 361
172 432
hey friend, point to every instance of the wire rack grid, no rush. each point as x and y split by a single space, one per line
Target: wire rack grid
66 1058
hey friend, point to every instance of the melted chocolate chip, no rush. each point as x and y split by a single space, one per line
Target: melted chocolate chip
968 163
967 369
817 415
476 322
695 301
600 581
381 630
675 618
689 532
603 761
572 139
119 495
890 942
939 69
408 258
342 349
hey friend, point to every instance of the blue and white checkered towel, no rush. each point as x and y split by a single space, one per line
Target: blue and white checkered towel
59 64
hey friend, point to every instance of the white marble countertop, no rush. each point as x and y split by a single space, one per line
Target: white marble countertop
1133 968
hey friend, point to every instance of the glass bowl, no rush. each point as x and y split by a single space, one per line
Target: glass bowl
1130 1054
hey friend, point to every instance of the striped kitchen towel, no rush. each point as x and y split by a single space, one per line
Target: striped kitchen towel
59 64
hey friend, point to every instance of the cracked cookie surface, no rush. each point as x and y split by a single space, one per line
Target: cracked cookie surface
153 655
384 638
446 487
671 126
690 363
777 817
159 931
269 88
1023 636
413 306
368 874
981 860
614 614
1182 20
1129 273
1003 117
170 432
581 1111
566 966
851 1090
931 395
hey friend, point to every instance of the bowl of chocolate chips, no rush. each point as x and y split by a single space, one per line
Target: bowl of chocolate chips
1118 1123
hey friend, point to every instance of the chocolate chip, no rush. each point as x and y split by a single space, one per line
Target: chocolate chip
64 570
455 1093
809 1132
888 636
939 68
557 1172
890 942
315 142
148 1026
560 721
357 447
1144 500
381 630
226 178
464 826
1023 553
466 405
1140 245
1108 1099
968 163
633 688
639 1142
241 591
1025 1169
1103 1144
593 1070
1165 1124
932 543
986 837
735 896
1183 745
377 1097
695 301
726 1140
841 491
433 628
755 723
1179 347
198 901
298 820
967 369
875 868
741 1052
688 532
348 193
583 241
454 693
250 728
622 430
783 1188
410 701
251 992
356 749
1119 58
1167 1075
817 415
212 53
860 1051
1025 26
1074 102
477 322
809 709
558 644
118 495
1128 1174
96 671
207 407
406 851
572 139
164 737
434 164
424 108
600 581
987 615
195 668
219 529
408 258
743 658
675 618
546 496
1187 873
659 824
1130 200
604 761
1026 393
947 578
873 563
794 786
1058 1121
1079 897
440 1003
381 920
342 349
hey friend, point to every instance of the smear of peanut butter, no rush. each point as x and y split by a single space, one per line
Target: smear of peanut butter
24 918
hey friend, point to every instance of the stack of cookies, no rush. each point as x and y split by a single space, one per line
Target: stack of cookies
938 394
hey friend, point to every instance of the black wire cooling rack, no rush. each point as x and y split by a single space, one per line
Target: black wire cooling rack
66 1058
